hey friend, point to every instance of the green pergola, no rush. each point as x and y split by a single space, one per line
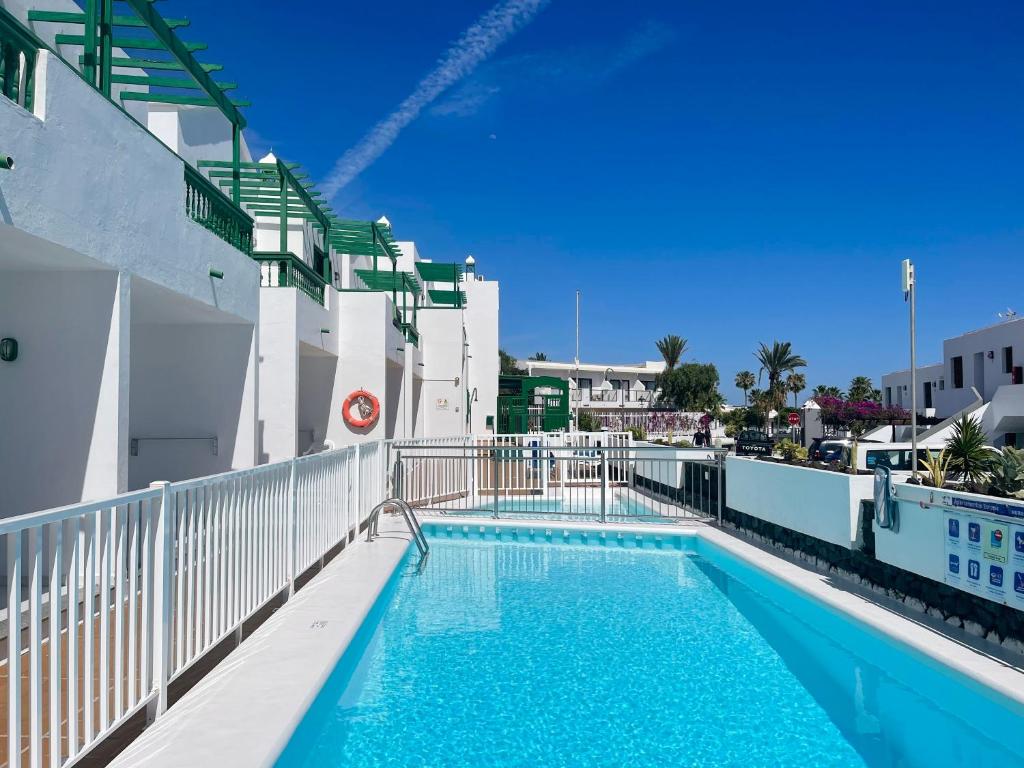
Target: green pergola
277 189
435 272
170 73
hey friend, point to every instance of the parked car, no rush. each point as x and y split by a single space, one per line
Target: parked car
754 442
870 454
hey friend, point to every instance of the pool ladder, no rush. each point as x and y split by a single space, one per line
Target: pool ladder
410 520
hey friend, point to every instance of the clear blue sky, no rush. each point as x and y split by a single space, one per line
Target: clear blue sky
731 172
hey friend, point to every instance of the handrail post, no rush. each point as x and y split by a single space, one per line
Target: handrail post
293 524
721 468
604 484
494 476
357 492
163 576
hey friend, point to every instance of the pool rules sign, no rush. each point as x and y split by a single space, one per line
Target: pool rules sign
985 554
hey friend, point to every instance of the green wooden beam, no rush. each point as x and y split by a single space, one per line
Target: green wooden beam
166 82
137 63
180 52
173 98
63 17
127 43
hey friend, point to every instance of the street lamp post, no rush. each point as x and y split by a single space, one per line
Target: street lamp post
910 294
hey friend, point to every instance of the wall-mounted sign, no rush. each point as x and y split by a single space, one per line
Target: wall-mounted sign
985 557
442 403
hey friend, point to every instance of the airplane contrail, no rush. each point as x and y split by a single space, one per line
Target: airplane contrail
462 57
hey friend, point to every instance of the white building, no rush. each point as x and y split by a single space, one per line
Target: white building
981 371
603 388
181 309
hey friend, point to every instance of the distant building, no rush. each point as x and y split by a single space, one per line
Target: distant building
980 371
603 388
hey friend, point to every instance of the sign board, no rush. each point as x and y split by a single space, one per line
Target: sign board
442 404
794 419
985 557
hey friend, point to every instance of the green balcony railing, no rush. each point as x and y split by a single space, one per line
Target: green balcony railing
208 206
19 49
286 270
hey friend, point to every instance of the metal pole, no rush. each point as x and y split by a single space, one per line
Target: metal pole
494 477
604 485
579 392
721 465
913 371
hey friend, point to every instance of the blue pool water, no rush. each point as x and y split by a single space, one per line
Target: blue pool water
620 652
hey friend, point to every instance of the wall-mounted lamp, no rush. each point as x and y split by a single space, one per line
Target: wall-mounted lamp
325 330
8 350
991 354
6 162
216 274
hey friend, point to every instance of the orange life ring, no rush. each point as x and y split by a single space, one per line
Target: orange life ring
367 406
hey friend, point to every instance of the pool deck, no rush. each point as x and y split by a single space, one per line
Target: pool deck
245 711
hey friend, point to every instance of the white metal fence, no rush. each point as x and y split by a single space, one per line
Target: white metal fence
109 602
589 476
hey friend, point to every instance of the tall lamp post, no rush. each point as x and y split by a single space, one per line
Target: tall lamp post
579 392
909 294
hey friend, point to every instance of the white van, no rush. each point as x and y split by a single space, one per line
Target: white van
895 456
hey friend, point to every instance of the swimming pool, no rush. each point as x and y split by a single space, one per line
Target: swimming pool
585 507
628 650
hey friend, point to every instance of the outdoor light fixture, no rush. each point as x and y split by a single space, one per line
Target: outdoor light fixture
216 274
325 330
8 350
6 162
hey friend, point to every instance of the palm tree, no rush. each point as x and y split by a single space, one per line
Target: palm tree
672 348
796 383
826 391
776 361
969 457
861 389
745 380
539 356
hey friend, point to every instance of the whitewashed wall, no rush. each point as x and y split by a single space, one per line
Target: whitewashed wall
481 318
815 502
443 403
66 394
91 179
191 380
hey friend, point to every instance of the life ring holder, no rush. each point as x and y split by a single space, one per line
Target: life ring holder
363 420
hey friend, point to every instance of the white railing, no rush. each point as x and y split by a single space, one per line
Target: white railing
109 602
597 476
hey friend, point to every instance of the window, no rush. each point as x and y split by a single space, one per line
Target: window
651 385
958 372
585 385
942 385
1007 359
888 395
1010 439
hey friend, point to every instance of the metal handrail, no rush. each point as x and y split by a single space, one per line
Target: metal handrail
410 520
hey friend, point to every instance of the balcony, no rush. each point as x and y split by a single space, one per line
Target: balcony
286 270
210 208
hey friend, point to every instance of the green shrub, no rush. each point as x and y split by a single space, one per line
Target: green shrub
1007 477
792 451
638 432
587 422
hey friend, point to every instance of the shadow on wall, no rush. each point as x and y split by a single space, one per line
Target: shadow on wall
316 389
62 321
188 386
393 398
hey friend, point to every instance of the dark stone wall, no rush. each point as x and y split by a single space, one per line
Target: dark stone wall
980 617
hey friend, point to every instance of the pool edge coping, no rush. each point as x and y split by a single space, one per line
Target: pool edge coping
163 743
